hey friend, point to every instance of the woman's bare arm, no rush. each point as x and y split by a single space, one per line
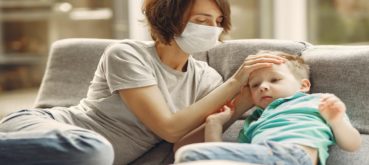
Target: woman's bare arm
148 104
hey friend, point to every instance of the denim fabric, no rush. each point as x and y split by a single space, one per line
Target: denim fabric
34 137
267 153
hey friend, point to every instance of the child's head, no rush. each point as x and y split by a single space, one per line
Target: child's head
280 80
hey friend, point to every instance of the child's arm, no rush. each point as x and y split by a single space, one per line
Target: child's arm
211 130
214 124
242 103
333 110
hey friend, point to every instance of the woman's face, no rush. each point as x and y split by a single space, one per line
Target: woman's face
206 12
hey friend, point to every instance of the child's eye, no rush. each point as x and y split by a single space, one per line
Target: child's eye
274 80
255 85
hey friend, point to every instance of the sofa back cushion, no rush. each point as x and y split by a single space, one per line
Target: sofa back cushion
70 68
227 57
343 70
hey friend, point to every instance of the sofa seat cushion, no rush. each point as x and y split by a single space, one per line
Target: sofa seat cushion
340 157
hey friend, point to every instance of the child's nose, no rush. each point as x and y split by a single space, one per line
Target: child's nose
264 87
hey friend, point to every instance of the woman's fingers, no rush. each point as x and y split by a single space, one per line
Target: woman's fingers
264 58
255 62
251 68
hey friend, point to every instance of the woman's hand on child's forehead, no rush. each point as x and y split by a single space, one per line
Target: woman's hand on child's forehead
266 58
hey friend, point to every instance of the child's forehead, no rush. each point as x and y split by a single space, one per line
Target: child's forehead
276 69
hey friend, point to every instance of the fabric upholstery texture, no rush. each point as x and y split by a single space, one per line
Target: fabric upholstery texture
70 68
341 70
227 57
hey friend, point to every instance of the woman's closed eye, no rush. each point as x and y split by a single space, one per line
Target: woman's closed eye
201 21
204 20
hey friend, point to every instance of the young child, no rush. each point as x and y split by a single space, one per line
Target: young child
288 125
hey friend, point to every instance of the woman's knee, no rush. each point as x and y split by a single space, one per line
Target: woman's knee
89 147
192 152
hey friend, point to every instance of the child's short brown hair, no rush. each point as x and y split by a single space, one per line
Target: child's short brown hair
295 63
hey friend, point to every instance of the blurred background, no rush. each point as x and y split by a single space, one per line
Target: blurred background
29 27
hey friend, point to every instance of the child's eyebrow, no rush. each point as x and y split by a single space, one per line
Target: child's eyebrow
251 79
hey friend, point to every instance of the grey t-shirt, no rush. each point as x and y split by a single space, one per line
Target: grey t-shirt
132 64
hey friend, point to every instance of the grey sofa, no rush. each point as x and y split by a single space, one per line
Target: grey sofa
342 70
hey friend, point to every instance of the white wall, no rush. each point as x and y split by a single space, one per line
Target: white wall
137 28
290 19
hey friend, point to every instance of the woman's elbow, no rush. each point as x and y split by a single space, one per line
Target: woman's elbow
170 134
171 138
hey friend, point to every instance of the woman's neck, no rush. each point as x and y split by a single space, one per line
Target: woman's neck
172 56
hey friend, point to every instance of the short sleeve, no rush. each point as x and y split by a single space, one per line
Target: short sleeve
126 66
210 79
242 136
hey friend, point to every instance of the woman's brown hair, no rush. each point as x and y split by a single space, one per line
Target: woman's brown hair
168 18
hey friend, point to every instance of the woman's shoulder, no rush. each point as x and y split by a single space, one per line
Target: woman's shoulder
130 45
129 49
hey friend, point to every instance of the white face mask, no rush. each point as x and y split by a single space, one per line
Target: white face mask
198 38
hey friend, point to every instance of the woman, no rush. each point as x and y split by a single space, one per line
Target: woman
142 93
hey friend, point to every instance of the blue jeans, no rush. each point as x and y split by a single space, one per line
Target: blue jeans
34 137
268 153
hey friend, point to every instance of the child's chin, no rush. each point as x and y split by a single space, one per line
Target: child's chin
262 106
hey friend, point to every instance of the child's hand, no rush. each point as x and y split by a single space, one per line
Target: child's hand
225 113
331 108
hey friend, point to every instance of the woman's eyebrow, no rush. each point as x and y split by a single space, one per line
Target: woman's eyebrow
207 15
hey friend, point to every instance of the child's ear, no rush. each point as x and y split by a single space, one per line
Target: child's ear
305 85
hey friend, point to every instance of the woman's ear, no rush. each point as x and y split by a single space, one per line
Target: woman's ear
305 85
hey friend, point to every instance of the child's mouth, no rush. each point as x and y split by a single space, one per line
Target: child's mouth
266 97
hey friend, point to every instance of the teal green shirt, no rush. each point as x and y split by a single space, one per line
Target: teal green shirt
294 119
